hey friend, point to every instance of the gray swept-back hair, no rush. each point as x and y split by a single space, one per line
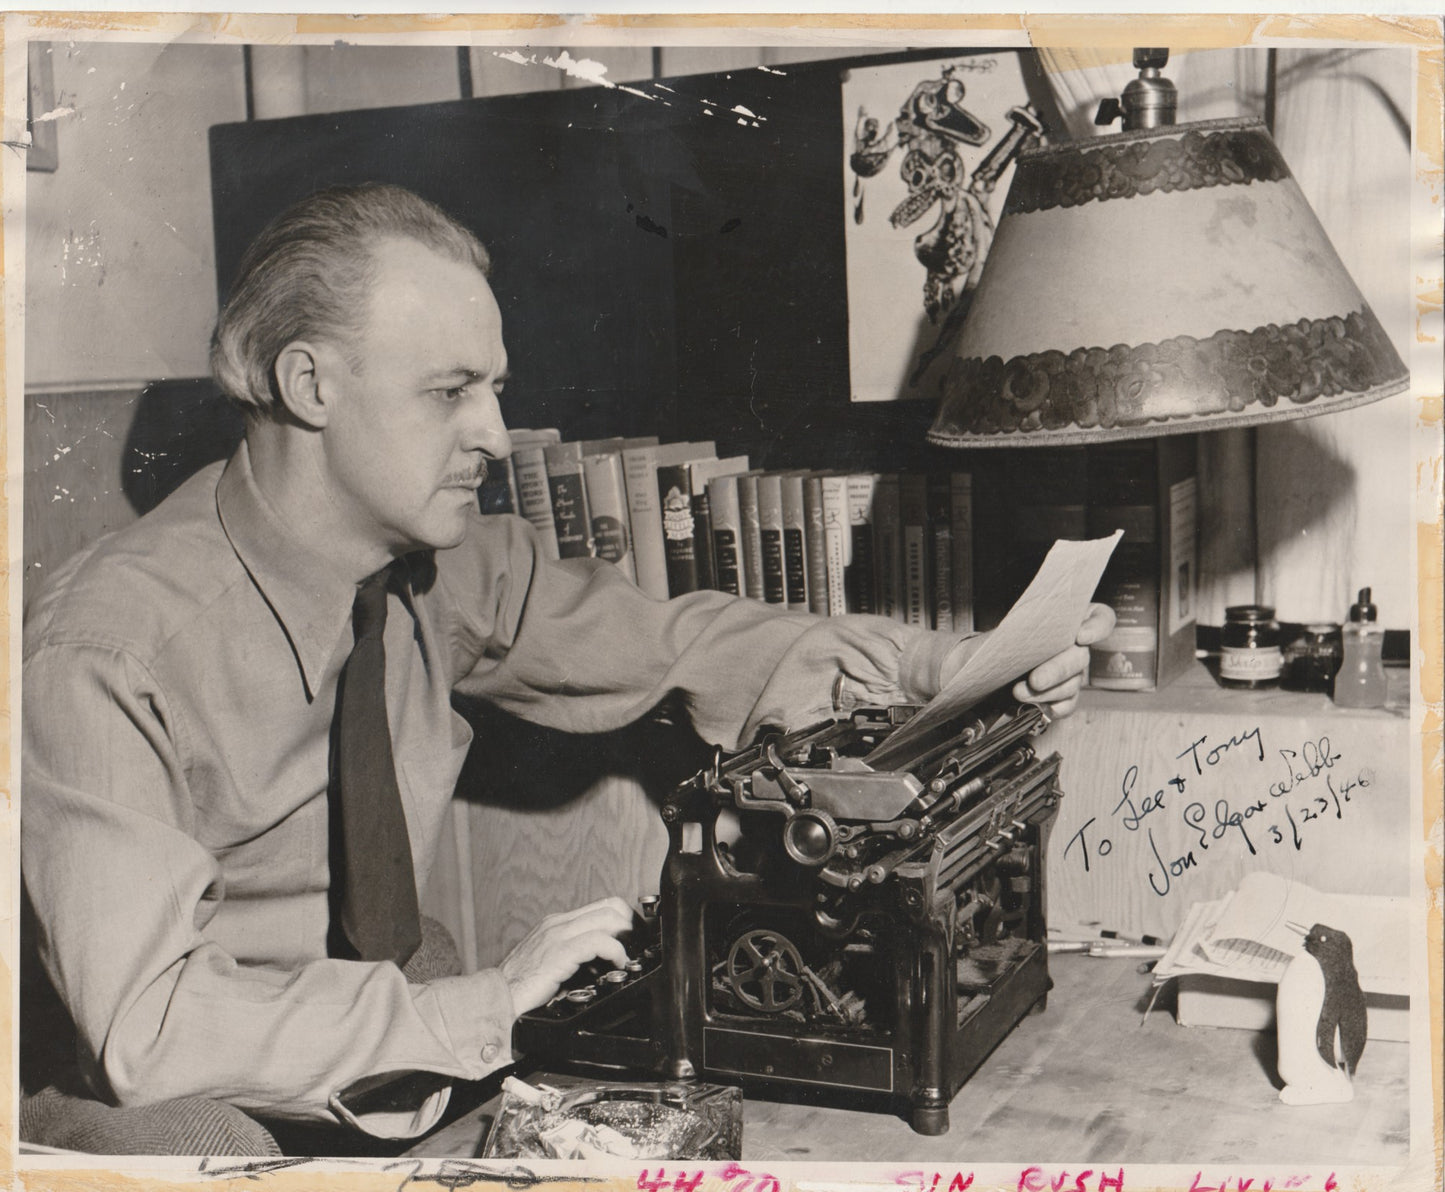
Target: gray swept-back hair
308 276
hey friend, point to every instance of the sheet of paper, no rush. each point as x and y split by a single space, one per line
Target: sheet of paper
1185 953
1253 938
1043 622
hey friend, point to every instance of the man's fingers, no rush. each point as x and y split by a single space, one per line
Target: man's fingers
606 914
1062 708
599 945
1096 626
561 944
1026 693
1069 664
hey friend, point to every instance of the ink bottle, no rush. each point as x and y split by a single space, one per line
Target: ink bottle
1313 658
1361 681
1250 654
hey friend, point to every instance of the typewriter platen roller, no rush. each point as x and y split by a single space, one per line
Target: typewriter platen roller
840 918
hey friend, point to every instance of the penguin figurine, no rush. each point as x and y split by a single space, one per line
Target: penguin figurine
1321 1024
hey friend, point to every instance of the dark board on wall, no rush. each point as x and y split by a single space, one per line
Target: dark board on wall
664 265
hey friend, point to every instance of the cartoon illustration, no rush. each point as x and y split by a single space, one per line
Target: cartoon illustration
931 127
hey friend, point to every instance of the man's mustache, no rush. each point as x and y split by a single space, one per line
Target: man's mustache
477 475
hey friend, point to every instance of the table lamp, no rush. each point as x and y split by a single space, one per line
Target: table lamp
1164 279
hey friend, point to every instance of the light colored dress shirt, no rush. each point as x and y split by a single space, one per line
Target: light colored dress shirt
179 682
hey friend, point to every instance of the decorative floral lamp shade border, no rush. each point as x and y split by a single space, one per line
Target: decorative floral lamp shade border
1159 282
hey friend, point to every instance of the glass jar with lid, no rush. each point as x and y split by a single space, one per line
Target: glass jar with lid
1312 658
1250 654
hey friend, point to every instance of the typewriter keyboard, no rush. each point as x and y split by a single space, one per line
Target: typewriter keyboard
598 980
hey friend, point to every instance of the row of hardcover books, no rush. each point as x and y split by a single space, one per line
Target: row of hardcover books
676 518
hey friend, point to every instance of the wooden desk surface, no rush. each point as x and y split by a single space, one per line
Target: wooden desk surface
1084 1082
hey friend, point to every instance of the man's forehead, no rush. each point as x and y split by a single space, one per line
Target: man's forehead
401 261
428 292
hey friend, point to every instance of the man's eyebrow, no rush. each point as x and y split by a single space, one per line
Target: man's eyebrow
457 371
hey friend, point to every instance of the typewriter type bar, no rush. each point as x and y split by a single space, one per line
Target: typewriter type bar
866 935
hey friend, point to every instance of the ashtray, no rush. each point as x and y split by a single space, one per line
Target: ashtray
618 1121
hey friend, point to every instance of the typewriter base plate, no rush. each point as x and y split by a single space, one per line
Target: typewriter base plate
786 1061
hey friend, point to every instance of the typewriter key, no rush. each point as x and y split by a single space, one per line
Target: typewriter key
585 994
633 966
614 977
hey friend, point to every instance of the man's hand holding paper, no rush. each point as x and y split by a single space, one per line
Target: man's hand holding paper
1044 638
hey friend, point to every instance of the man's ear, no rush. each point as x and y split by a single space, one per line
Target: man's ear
299 371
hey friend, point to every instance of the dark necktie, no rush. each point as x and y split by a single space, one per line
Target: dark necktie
377 897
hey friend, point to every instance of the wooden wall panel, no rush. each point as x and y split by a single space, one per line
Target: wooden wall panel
1287 824
559 820
530 863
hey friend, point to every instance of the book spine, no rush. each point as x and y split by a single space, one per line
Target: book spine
795 527
569 500
639 468
860 584
1123 495
770 532
940 545
675 500
888 543
837 540
607 500
913 512
534 496
1047 499
702 526
815 545
752 541
961 540
722 494
498 493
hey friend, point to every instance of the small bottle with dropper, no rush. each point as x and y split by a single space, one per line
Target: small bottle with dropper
1360 682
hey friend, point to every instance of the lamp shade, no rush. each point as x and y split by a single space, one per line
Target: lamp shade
1154 282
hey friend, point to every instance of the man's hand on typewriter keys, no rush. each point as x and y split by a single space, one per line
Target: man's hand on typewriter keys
1054 685
553 950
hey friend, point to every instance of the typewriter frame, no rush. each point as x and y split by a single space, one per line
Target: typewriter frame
846 830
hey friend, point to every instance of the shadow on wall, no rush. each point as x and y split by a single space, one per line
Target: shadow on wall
1303 487
526 766
95 460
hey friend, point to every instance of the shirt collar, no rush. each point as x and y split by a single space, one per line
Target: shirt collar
310 598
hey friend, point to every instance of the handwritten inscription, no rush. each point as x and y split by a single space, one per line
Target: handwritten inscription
1035 1179
1270 801
1042 1179
731 1177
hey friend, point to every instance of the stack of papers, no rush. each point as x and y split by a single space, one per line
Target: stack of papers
1248 935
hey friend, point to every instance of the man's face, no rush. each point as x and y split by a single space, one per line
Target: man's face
413 422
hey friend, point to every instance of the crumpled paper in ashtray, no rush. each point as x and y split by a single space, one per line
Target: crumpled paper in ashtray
617 1121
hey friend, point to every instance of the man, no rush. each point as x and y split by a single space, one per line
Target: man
193 845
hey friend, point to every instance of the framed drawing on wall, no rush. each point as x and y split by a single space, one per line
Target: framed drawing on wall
927 161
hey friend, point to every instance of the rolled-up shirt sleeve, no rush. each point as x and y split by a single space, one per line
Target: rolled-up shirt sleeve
123 892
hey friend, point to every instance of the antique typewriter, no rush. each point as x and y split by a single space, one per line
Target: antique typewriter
840 918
